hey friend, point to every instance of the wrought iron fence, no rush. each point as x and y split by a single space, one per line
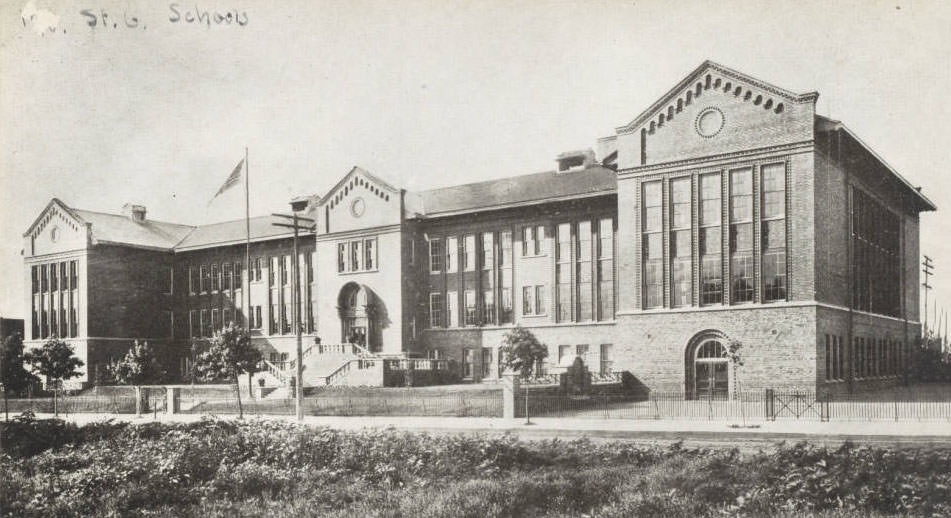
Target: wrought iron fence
761 405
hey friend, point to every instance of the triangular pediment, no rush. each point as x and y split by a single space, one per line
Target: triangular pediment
710 79
55 211
359 180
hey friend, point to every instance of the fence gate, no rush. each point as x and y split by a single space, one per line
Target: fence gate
798 405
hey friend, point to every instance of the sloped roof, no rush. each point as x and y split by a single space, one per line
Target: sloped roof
519 190
114 228
233 232
825 124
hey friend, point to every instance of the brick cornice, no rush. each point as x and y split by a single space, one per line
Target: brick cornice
805 146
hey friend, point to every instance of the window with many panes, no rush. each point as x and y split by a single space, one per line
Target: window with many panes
563 272
584 271
652 244
774 231
435 310
711 241
741 235
435 255
215 279
356 256
606 269
681 285
505 276
876 259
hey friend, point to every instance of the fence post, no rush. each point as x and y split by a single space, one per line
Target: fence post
138 401
768 400
172 400
510 386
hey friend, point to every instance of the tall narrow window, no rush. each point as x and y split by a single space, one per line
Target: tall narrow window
356 256
205 323
487 279
711 240
215 279
54 275
584 272
563 272
652 244
237 275
257 269
487 255
226 271
680 243
471 314
452 309
285 270
606 269
505 274
452 254
528 300
741 235
369 251
540 300
435 310
467 363
607 359
341 257
468 252
435 255
774 232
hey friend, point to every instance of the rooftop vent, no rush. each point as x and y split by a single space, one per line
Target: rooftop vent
575 160
134 212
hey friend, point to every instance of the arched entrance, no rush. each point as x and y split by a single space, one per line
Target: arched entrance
707 367
358 308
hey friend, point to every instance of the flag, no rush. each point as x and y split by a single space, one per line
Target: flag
233 178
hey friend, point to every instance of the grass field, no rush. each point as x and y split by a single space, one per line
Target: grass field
216 468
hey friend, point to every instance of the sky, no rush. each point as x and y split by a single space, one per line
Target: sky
157 110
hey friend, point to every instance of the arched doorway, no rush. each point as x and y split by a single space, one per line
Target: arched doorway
708 368
357 308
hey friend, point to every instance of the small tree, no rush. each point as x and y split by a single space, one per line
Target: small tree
521 351
733 354
230 354
138 367
13 375
54 361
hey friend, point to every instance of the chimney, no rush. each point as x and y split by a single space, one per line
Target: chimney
575 160
134 212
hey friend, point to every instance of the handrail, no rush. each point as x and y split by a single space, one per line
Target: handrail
340 372
292 363
275 371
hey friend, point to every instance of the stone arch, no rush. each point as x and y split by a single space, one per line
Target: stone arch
707 371
362 315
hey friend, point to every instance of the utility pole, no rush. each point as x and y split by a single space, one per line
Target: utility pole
298 223
927 269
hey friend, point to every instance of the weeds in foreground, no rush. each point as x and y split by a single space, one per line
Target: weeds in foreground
216 468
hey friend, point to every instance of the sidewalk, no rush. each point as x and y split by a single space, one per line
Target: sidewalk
875 431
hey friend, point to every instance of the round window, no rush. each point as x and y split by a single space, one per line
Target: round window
709 122
358 207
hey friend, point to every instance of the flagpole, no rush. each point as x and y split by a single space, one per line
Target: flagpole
247 249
